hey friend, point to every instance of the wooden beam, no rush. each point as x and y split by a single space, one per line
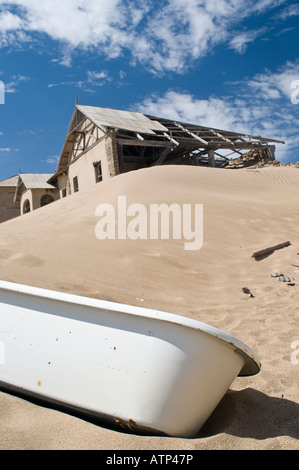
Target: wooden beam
171 139
269 250
90 134
237 146
191 133
163 156
220 136
271 152
222 156
74 129
185 142
235 151
211 157
146 143
120 158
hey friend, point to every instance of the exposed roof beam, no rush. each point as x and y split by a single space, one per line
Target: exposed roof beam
241 145
146 143
222 156
220 136
196 128
185 142
171 139
234 151
191 133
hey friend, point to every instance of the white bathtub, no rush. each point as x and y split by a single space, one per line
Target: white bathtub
141 368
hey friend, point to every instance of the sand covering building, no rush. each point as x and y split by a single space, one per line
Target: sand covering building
24 193
102 143
34 191
244 211
8 207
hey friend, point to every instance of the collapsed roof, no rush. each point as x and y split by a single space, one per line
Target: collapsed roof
148 140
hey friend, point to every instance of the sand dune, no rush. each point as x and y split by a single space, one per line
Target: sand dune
245 211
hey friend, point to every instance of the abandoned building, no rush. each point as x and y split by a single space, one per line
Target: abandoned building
102 143
8 207
34 191
24 193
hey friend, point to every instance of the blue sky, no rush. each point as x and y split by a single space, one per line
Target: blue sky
230 64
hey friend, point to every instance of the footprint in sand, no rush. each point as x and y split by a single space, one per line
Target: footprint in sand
5 254
31 260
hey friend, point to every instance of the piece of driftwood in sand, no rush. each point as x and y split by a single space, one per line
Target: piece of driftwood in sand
269 250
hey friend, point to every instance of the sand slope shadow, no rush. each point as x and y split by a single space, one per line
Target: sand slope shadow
246 414
253 414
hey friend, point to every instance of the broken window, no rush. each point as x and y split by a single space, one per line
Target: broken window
98 171
75 184
26 207
46 199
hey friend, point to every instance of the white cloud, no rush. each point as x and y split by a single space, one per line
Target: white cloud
289 11
263 108
9 21
221 113
52 160
166 38
73 21
11 86
97 78
278 84
6 149
242 38
261 5
94 79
